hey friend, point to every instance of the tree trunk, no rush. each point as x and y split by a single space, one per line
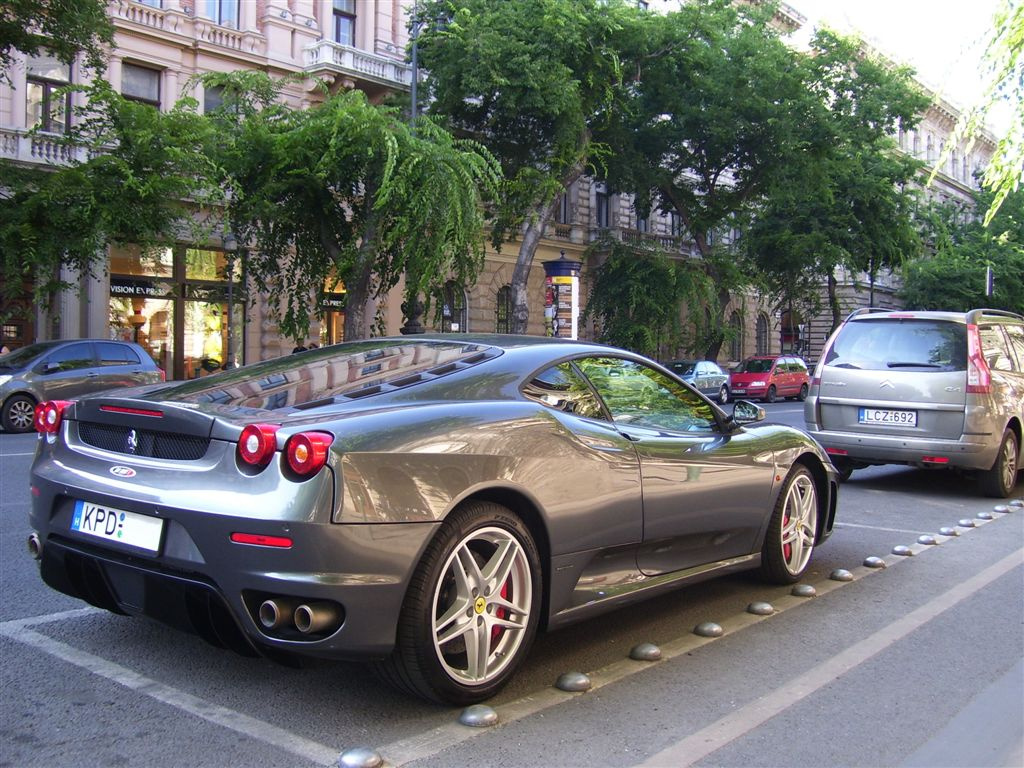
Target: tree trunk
360 305
833 301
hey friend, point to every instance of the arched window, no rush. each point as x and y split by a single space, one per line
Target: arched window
735 336
762 334
453 309
503 310
930 157
917 144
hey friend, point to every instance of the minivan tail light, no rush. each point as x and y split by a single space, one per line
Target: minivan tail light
257 444
306 452
979 377
49 414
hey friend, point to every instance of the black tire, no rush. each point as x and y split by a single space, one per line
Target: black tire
18 413
770 395
792 530
803 393
1000 480
723 395
444 670
843 468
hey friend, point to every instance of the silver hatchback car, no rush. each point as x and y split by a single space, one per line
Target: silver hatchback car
928 389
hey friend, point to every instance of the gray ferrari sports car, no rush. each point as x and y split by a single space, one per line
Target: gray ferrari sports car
424 502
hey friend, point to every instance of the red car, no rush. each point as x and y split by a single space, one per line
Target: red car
770 377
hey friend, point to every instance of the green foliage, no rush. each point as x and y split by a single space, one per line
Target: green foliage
346 190
1002 83
636 298
61 28
953 277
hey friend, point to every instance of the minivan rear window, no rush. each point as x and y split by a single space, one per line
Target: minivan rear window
900 344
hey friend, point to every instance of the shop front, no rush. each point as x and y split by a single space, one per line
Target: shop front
174 303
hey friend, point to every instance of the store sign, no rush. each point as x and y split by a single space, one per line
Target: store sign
124 286
332 302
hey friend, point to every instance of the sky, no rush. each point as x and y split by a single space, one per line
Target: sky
944 40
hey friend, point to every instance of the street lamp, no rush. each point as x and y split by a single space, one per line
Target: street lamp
230 248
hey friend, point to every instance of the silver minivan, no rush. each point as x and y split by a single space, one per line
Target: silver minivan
928 389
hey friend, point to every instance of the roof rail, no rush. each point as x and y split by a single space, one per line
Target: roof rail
974 314
864 311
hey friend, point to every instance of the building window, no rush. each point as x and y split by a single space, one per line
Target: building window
151 3
735 336
46 109
675 224
761 334
917 144
222 12
602 208
564 209
930 147
453 309
503 310
641 222
140 84
213 98
345 22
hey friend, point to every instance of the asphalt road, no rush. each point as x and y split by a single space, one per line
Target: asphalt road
918 663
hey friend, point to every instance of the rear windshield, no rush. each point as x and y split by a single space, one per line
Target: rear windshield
754 365
900 344
683 369
350 370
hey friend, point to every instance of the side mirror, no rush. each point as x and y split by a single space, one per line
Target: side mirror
746 412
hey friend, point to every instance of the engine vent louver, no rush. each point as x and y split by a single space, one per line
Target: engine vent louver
142 442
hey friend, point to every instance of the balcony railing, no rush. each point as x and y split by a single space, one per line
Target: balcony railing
346 61
37 149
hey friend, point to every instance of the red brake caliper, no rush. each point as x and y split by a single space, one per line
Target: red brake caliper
787 548
501 613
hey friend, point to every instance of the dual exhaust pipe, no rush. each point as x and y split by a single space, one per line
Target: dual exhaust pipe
308 618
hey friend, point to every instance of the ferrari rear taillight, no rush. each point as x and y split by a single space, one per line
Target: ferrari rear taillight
306 452
49 414
979 377
257 444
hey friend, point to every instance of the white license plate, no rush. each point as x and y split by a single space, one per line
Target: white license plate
885 416
118 525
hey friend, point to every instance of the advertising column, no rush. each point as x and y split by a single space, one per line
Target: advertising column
562 298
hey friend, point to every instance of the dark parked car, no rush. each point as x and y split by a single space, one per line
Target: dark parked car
770 377
930 389
705 375
58 370
428 502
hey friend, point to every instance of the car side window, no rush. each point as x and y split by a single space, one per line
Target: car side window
71 357
1015 333
117 354
562 388
994 349
638 394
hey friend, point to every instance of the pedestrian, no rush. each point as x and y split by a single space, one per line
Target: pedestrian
298 348
312 345
4 349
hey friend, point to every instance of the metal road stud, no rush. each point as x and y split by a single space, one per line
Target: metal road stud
1002 509
645 652
1016 504
360 757
902 551
573 682
947 531
874 562
966 523
841 574
803 590
708 629
927 538
478 716
761 609
985 516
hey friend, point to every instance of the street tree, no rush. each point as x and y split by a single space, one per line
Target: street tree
140 167
529 80
953 275
346 191
848 200
718 107
61 28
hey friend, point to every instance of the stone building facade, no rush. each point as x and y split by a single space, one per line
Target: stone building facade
177 304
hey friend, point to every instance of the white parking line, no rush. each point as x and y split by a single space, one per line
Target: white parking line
228 718
879 528
699 745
